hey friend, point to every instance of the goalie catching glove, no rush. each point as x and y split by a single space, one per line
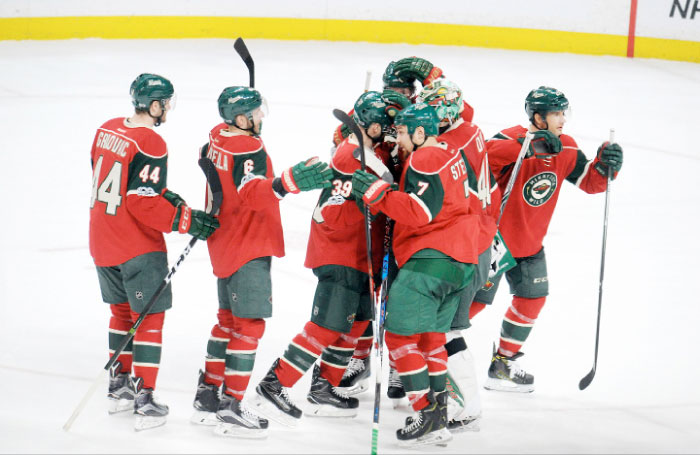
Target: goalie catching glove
418 68
307 175
194 222
609 155
368 187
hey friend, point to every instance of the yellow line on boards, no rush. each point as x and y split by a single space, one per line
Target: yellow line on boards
176 27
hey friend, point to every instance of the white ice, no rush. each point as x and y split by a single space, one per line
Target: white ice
53 326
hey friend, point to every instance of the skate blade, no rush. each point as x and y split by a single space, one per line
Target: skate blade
268 410
232 430
326 410
121 405
358 388
502 385
463 425
148 422
204 418
438 438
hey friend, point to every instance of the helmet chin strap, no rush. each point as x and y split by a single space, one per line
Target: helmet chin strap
158 119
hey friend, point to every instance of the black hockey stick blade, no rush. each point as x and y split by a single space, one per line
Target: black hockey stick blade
242 50
352 126
214 183
586 380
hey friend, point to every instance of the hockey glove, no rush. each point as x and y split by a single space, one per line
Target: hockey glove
609 155
543 143
395 100
368 187
173 198
419 68
195 222
307 175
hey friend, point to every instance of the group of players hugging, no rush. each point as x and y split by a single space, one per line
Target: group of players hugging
434 188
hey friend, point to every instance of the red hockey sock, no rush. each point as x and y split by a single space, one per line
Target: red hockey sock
148 341
364 343
240 354
337 355
432 345
475 309
119 325
411 365
517 324
302 352
214 363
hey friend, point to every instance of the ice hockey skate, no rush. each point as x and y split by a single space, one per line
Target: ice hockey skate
356 377
121 393
206 403
428 426
272 400
235 420
395 390
506 375
149 413
328 401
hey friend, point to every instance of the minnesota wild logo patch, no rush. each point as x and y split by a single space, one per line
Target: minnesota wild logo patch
540 188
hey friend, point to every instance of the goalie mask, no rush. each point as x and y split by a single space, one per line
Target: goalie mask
543 100
446 97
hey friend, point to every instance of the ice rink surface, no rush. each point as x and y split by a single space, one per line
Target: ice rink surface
53 327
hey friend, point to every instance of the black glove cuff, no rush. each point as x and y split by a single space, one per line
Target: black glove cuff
278 188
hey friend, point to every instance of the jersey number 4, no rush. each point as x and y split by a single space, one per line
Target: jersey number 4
108 190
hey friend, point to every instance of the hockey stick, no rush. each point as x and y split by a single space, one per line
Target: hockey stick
514 174
215 185
350 123
586 380
242 50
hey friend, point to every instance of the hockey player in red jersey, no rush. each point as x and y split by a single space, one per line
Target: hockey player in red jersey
464 405
432 209
130 208
553 157
342 306
241 252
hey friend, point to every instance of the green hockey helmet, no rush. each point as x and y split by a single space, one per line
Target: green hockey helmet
238 100
392 80
147 88
543 100
446 97
419 114
370 108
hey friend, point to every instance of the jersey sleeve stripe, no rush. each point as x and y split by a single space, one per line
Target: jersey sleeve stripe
422 205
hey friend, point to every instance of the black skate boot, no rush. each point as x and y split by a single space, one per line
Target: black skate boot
272 400
428 426
149 413
235 420
328 401
395 390
206 403
121 390
356 377
506 375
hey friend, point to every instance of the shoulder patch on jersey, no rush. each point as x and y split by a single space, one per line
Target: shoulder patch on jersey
539 188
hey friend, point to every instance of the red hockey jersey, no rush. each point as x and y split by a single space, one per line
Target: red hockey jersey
127 212
468 138
337 235
433 210
251 226
529 209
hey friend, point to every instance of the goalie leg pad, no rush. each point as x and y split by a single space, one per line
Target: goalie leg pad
464 403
